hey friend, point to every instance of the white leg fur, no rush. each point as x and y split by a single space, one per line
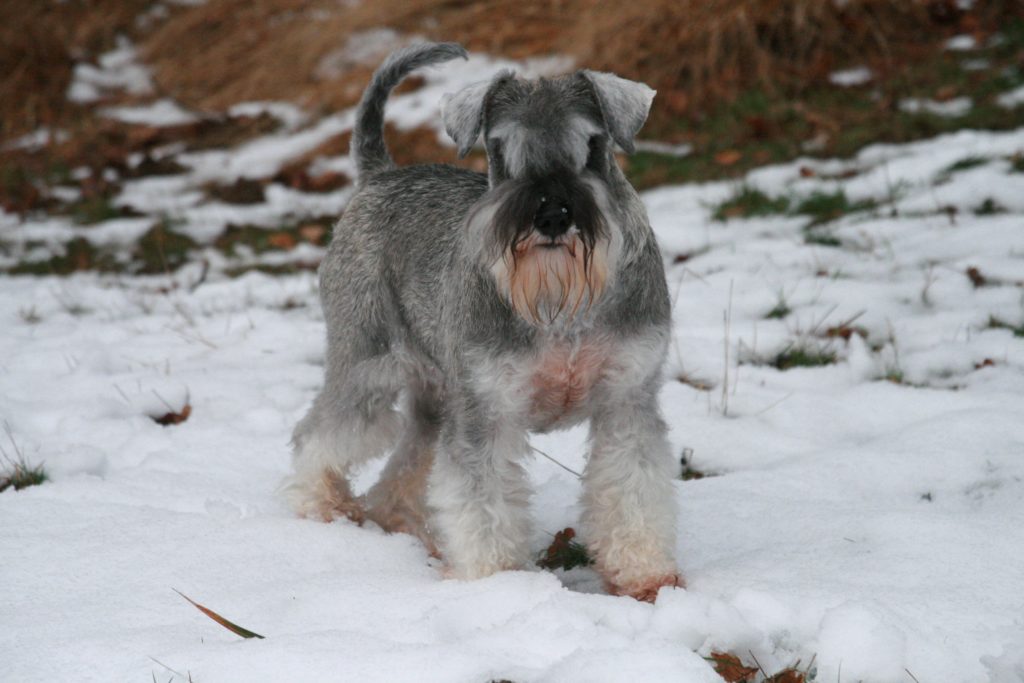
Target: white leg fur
629 505
480 505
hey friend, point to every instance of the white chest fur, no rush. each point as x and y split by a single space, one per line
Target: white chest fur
554 385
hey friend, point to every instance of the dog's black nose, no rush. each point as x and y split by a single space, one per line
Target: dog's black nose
553 218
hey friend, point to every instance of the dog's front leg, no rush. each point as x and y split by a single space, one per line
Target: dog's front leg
628 498
479 491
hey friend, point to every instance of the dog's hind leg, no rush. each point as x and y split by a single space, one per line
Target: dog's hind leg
353 420
397 502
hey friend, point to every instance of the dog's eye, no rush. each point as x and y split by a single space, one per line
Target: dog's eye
496 154
597 152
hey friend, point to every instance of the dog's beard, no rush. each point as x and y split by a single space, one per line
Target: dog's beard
545 280
544 283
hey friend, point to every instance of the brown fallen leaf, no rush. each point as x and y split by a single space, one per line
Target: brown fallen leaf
976 278
282 240
728 157
845 332
173 418
946 93
234 628
788 676
313 232
730 668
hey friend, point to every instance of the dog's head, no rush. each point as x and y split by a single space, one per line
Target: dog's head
549 229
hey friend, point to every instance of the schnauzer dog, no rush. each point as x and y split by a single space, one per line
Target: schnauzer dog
465 310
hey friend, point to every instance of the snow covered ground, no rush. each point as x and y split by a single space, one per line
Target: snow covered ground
864 508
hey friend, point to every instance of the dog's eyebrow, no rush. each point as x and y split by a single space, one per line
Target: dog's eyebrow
580 130
515 137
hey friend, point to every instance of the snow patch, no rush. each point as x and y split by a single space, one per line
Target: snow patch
958 106
35 140
848 78
164 112
962 43
668 149
117 70
363 48
1011 99
856 643
287 113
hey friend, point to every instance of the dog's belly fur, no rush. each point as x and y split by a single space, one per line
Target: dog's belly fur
562 381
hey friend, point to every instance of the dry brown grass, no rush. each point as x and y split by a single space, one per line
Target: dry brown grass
38 43
242 50
696 52
702 51
712 49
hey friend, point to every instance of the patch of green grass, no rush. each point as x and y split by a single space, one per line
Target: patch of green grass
161 250
780 311
801 356
895 376
964 164
96 210
1013 35
1017 164
822 239
253 237
824 207
995 323
19 475
689 472
820 207
748 202
78 254
565 552
989 207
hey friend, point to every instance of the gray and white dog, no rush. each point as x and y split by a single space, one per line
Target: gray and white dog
466 310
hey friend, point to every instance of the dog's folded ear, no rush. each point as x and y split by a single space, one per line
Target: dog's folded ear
463 112
624 105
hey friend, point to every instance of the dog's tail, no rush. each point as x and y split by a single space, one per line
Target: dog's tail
368 149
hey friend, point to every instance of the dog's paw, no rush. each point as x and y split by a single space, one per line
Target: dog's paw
326 497
402 518
646 590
